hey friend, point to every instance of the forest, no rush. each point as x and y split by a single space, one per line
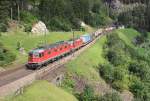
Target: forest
56 14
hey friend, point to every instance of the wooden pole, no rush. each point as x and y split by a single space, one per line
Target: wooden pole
18 14
11 13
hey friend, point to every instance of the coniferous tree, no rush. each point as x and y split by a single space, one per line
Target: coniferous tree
4 14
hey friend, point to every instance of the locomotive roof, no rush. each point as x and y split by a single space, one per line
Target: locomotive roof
37 50
42 48
53 45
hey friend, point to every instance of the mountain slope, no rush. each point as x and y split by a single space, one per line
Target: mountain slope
43 91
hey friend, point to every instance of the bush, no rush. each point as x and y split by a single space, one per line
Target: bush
87 95
3 27
68 82
140 69
116 57
6 56
107 72
110 97
57 24
28 19
119 74
138 89
119 85
139 40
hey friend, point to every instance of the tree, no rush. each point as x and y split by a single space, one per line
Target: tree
140 69
107 72
4 14
87 95
138 89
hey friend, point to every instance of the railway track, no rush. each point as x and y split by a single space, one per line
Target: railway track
13 80
13 75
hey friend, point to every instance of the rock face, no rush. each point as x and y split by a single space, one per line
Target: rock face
116 4
39 28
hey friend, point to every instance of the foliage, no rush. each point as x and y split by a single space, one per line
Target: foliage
128 66
28 20
56 14
140 69
110 97
87 94
113 75
6 56
68 82
140 90
4 14
85 10
3 27
107 72
137 17
59 24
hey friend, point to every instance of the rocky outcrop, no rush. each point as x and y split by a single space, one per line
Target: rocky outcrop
39 28
116 4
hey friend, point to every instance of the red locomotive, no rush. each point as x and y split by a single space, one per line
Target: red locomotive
46 54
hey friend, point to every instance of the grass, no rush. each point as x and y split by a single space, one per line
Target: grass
86 64
128 35
43 91
28 41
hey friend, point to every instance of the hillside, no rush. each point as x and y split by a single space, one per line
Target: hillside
43 91
84 67
14 41
128 66
123 75
95 68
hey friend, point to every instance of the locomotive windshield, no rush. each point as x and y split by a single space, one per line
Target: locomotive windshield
34 54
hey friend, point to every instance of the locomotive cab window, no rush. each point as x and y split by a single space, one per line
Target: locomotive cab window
41 54
49 52
55 50
30 54
65 46
36 54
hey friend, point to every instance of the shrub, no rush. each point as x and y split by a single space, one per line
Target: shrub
107 72
116 57
119 74
118 85
68 82
110 97
6 56
3 27
137 88
87 94
28 20
57 23
140 69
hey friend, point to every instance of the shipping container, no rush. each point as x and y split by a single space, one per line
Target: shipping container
86 38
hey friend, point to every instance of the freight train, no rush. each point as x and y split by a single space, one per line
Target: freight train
44 55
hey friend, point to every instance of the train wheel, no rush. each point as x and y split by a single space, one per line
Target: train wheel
38 67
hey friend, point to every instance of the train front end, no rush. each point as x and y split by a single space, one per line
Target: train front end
34 58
